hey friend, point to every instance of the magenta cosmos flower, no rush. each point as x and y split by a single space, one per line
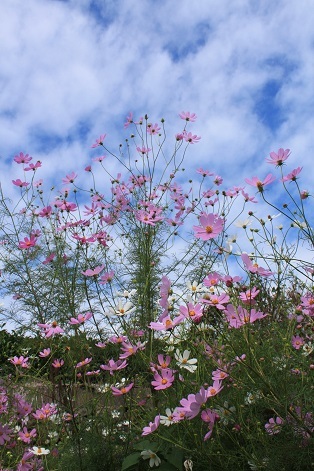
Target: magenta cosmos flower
254 267
211 226
163 380
152 426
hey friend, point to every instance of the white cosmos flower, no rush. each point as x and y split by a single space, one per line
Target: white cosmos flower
37 450
154 460
194 287
167 419
184 362
122 308
244 223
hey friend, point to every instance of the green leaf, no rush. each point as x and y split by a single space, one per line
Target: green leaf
166 467
175 457
130 460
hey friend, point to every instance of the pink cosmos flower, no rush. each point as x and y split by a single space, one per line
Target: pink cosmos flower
26 435
22 158
187 116
69 178
27 243
143 150
204 173
45 212
128 350
193 404
212 279
253 267
153 129
114 366
297 342
211 226
247 297
20 361
46 411
45 353
152 426
215 388
106 277
163 380
93 272
121 391
274 426
279 158
83 362
51 329
192 311
129 120
166 324
190 138
49 259
99 142
292 176
240 316
57 363
210 418
217 301
81 318
33 167
19 183
219 375
259 184
4 434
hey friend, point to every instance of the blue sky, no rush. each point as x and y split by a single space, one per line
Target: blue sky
71 70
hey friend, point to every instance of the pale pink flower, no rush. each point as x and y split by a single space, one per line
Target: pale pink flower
81 318
114 366
51 329
292 176
69 178
279 158
254 267
190 138
20 361
100 141
152 426
83 362
187 116
240 316
259 184
215 388
121 391
57 363
45 353
106 277
211 226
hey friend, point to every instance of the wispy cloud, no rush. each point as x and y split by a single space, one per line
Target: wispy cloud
71 70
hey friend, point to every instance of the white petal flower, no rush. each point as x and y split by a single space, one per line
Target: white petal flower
183 361
37 450
167 419
154 460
